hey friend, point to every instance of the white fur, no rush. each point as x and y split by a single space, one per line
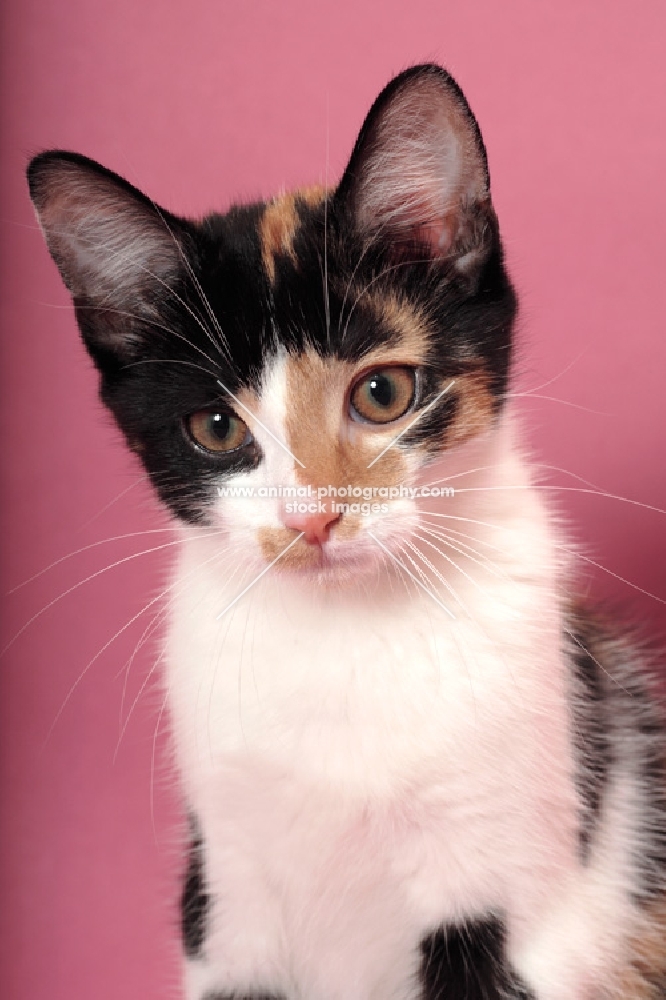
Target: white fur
365 767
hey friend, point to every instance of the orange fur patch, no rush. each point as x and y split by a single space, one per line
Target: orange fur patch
312 195
404 319
273 541
334 450
337 451
475 402
280 222
644 976
277 230
474 413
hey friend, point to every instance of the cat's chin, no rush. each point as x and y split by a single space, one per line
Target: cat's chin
327 566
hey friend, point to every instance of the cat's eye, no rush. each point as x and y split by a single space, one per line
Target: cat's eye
218 430
383 395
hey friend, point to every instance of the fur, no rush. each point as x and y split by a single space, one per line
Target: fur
415 767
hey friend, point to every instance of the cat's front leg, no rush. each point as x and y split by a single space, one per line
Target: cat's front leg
236 964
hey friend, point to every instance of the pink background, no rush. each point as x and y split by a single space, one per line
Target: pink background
201 103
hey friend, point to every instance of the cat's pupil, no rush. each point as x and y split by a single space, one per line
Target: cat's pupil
381 390
219 425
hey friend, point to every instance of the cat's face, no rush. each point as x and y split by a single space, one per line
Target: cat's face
284 369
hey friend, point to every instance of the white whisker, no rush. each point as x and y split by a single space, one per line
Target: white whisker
555 399
87 548
116 635
562 489
195 281
411 575
87 579
466 551
262 574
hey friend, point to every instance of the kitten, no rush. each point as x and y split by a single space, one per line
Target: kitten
415 766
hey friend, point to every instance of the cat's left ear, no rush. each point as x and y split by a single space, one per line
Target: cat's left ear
418 176
117 252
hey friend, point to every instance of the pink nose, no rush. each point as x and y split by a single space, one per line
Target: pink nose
315 527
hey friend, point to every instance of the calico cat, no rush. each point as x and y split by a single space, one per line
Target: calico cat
415 766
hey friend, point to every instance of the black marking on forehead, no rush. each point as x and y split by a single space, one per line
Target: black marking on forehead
465 325
176 370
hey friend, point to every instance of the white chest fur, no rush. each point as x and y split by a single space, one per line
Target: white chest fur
365 767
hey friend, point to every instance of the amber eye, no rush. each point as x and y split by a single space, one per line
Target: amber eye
383 395
217 430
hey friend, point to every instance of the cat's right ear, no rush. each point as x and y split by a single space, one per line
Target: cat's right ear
417 180
117 252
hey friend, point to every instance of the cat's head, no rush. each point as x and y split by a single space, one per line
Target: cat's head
324 340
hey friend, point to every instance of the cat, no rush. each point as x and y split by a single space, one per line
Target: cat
416 765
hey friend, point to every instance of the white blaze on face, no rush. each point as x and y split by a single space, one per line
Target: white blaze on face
266 418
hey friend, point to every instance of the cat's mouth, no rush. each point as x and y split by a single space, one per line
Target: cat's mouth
289 552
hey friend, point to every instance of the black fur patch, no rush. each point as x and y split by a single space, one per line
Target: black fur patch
469 963
243 996
614 712
591 732
194 902
650 853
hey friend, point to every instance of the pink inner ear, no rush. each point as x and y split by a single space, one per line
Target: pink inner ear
423 169
438 234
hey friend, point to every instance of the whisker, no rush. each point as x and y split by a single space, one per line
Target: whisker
222 634
155 623
467 552
453 634
537 469
153 755
87 548
562 489
418 582
197 319
170 330
141 267
464 534
141 479
87 579
544 385
140 692
472 617
172 361
433 569
377 277
156 620
564 548
469 520
106 645
616 576
587 652
366 246
556 399
195 281
456 566
458 475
